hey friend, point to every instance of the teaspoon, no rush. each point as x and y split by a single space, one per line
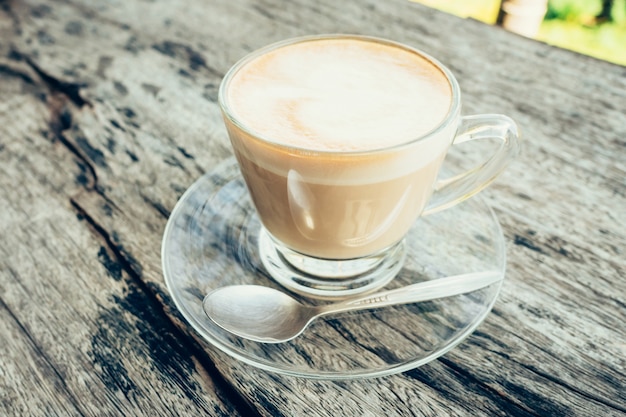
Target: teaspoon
267 315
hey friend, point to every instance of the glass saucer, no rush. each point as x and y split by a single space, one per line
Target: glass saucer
211 241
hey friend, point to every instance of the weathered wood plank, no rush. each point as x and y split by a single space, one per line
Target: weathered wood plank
554 344
34 383
80 335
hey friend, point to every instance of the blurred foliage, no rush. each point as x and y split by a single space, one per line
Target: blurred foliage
585 11
572 10
606 41
579 25
570 24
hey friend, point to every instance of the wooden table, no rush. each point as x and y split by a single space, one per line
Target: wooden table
108 113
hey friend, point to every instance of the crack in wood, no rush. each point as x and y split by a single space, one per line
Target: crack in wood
165 213
14 72
574 389
127 262
558 381
545 375
69 89
42 353
60 121
132 267
511 407
62 98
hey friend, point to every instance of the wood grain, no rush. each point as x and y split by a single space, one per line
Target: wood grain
81 337
109 113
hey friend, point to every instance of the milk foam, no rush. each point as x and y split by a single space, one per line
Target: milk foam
340 94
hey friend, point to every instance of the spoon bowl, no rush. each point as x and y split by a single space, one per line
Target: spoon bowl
267 315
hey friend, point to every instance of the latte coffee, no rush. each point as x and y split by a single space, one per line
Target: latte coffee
339 141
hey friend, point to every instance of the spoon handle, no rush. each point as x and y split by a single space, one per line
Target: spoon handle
422 291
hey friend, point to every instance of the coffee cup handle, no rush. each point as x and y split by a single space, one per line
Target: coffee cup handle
451 191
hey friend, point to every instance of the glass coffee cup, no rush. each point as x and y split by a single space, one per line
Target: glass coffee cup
340 140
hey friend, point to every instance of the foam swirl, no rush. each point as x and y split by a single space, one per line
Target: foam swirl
340 94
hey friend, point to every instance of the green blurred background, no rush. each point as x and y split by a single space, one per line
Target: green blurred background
591 27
